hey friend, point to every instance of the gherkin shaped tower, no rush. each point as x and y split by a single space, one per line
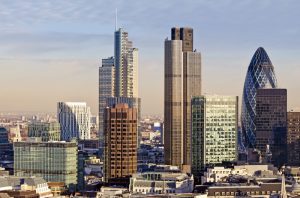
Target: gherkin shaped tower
260 74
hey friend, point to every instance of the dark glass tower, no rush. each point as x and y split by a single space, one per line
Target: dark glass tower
260 74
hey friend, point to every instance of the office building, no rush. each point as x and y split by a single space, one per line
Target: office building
293 138
260 74
4 142
54 161
6 148
182 82
126 65
74 120
214 131
48 131
120 131
271 124
106 88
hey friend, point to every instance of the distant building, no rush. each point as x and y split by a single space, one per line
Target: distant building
54 161
4 141
293 138
106 89
182 82
74 120
6 148
271 124
214 131
120 130
161 183
48 131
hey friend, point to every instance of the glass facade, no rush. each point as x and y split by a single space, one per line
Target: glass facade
48 131
54 161
260 74
214 131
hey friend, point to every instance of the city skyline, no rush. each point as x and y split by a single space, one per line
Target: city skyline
51 50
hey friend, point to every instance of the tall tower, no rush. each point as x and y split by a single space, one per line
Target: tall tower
120 131
126 63
260 74
182 82
106 89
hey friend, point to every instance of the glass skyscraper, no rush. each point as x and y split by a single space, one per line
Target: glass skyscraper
214 131
260 74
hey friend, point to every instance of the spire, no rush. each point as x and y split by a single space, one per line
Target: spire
116 20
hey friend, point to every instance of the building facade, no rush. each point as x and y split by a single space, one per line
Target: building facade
106 88
54 161
120 131
214 131
48 131
74 120
126 64
260 74
182 82
161 183
293 138
271 124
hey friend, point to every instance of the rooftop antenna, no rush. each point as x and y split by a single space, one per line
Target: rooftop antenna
116 20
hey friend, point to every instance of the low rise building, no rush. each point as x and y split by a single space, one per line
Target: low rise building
161 183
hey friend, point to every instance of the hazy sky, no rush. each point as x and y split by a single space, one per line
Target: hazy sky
50 51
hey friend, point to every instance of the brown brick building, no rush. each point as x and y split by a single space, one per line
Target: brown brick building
120 131
293 138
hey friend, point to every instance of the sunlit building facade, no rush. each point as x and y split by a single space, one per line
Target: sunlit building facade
74 120
214 131
260 74
182 82
54 161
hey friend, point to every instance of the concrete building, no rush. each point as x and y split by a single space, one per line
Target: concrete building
74 120
120 131
271 124
12 184
182 82
161 183
53 161
48 131
293 138
214 131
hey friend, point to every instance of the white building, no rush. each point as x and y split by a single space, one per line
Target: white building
220 174
74 119
161 183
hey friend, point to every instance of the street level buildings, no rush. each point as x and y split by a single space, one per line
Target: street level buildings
214 131
120 131
53 161
74 120
182 82
271 125
293 138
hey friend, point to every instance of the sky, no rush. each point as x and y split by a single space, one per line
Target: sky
51 50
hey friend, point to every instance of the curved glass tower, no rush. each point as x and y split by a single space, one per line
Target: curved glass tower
260 74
